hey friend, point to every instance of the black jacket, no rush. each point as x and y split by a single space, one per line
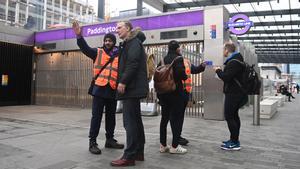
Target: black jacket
232 70
197 69
99 91
132 67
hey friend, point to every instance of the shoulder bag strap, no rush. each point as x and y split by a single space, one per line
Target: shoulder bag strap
109 61
178 57
236 81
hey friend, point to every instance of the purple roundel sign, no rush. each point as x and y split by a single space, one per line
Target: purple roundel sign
239 28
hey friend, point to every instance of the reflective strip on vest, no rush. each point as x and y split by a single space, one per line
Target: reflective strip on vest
110 72
187 84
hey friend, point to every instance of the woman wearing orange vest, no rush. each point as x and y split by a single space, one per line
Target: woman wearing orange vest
187 85
104 91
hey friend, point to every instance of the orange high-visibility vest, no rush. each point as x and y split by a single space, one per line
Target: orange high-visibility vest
187 84
109 73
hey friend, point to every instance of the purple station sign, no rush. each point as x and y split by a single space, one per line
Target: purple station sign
241 27
150 23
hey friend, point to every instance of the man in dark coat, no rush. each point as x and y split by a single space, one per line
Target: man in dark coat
103 96
234 96
132 86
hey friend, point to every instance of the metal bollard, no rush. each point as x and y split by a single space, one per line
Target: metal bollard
256 110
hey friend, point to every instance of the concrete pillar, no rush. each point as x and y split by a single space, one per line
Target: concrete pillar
68 12
87 11
27 10
6 12
17 11
214 37
45 14
165 9
61 11
139 8
52 15
80 11
101 9
74 10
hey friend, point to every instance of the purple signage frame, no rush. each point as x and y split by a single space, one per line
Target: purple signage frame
150 23
232 24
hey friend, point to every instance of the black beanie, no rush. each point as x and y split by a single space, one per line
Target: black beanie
110 36
173 45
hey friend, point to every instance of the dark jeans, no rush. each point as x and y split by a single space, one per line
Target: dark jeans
172 109
110 117
233 102
289 95
133 124
185 102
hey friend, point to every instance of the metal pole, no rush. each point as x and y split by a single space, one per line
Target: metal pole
256 110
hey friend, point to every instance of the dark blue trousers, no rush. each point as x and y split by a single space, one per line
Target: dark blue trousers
232 104
110 117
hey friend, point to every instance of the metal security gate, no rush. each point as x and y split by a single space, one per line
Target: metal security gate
63 78
193 51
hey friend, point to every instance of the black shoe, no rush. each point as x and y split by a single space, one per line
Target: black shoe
94 148
182 141
112 143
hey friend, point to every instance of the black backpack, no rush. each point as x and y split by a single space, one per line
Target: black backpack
250 83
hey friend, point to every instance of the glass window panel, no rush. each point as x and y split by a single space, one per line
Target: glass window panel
283 4
261 6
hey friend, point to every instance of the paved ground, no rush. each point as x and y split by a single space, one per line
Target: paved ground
40 137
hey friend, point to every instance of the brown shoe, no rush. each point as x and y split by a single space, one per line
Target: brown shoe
122 163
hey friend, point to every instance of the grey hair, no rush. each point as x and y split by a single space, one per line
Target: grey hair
127 24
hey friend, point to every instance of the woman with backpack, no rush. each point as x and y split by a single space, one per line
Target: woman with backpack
172 103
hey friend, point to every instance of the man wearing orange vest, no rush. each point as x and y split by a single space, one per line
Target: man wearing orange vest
187 85
104 91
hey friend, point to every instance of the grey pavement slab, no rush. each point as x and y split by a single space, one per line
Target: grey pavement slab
44 137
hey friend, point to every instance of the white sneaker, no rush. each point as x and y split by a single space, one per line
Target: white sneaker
164 149
178 150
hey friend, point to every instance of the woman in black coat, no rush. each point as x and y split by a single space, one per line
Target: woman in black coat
173 103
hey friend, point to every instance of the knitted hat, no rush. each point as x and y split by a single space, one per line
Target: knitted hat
110 36
173 45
